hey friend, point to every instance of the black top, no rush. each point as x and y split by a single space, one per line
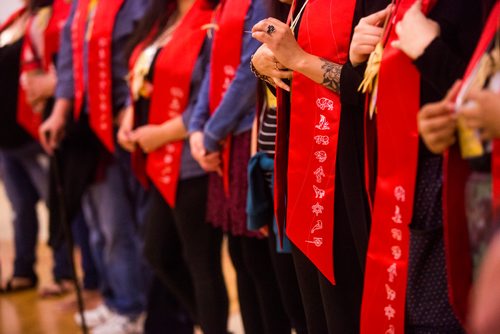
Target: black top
11 134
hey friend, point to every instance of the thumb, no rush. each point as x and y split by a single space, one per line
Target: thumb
453 92
417 5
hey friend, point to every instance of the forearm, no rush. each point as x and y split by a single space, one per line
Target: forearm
173 130
62 107
320 70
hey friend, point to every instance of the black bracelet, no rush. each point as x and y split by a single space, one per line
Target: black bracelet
256 73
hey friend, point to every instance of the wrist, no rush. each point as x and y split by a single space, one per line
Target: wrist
300 62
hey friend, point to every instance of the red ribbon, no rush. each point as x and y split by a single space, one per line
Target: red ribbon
313 136
226 58
31 61
456 172
98 65
172 80
398 102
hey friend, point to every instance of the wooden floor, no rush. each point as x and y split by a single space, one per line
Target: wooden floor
26 313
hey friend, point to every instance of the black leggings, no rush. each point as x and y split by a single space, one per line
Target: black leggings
288 285
259 296
196 277
332 308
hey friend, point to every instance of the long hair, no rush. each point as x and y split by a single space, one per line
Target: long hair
156 18
33 5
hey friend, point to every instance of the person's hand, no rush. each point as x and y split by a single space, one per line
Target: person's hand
481 111
266 64
39 86
367 35
437 122
415 32
210 162
124 131
485 301
52 130
281 42
149 137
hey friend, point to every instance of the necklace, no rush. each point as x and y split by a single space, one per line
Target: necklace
296 20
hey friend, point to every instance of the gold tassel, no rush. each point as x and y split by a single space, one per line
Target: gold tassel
370 80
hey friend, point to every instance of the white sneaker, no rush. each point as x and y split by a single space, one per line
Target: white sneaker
120 324
94 317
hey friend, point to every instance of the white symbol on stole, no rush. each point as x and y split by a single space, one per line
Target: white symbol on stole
322 140
400 194
323 123
317 209
396 252
321 156
392 271
227 83
170 148
102 54
175 104
324 103
397 234
317 227
391 294
177 92
103 107
166 179
103 85
316 242
102 75
390 312
320 193
397 218
320 174
168 159
229 71
103 42
391 330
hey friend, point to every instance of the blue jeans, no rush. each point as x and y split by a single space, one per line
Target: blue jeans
114 208
25 175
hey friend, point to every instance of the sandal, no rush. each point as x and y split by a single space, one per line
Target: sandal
58 289
11 287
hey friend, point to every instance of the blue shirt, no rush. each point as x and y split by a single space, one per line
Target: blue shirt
236 112
128 15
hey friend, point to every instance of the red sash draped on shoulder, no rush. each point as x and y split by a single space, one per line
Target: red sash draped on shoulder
98 64
325 31
226 58
29 119
398 102
456 171
171 91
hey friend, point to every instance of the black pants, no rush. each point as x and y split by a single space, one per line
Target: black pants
185 253
259 296
333 309
288 285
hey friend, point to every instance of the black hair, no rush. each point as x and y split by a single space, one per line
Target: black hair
156 18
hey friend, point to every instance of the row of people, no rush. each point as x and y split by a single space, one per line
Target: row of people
157 114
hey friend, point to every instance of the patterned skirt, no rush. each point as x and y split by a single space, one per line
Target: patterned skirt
229 213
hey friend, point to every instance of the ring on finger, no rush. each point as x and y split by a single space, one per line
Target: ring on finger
270 29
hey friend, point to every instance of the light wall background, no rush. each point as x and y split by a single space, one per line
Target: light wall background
7 7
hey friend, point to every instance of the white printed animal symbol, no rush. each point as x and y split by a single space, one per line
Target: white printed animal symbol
400 194
320 193
316 242
397 218
324 103
321 156
392 271
397 234
323 123
396 252
322 140
391 330
317 227
390 312
320 174
391 294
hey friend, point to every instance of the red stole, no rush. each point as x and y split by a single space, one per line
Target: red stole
456 172
398 102
313 136
30 61
171 91
226 58
98 64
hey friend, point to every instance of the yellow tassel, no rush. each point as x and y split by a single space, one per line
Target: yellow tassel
372 69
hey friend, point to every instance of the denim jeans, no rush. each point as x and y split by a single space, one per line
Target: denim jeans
25 176
114 208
